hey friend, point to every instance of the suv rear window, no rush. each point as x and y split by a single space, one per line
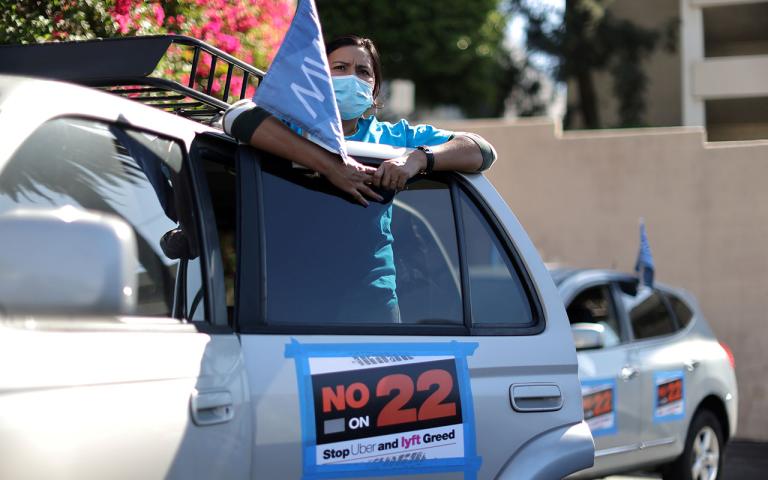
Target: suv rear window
648 314
330 261
427 259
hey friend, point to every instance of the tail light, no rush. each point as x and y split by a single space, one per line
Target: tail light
729 353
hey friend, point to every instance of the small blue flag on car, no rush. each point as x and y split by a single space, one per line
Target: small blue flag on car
297 87
644 265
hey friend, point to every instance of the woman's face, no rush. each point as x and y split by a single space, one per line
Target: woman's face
352 60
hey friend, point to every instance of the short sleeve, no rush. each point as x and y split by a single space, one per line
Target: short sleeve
425 135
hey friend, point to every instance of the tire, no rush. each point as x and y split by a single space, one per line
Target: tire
702 458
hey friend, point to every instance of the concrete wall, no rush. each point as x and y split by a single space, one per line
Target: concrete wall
580 194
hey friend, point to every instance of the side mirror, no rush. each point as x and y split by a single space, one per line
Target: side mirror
588 336
66 261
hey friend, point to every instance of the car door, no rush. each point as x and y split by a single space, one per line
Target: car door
662 360
159 394
610 389
470 371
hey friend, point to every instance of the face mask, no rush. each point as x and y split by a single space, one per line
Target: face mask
353 96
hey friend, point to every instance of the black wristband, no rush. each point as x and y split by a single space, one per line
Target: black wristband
430 158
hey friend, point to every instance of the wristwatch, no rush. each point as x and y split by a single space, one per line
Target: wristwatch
430 159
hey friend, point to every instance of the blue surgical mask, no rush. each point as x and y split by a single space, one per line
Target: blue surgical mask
353 96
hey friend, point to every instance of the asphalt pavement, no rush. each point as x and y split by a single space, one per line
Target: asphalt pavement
743 461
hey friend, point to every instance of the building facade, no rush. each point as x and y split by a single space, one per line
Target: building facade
724 53
716 76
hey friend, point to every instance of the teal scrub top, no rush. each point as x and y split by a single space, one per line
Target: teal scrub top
382 278
400 134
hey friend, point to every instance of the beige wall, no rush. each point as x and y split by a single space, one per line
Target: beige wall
579 196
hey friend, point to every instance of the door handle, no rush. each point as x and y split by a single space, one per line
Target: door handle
628 372
536 397
691 365
211 408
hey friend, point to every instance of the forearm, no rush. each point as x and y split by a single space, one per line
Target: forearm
460 154
274 137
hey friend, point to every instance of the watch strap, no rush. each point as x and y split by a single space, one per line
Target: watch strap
430 159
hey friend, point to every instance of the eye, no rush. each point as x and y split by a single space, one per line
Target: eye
339 67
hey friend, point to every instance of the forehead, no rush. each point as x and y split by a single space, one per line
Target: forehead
350 54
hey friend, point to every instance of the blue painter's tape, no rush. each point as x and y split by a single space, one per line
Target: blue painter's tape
302 352
610 383
663 413
458 349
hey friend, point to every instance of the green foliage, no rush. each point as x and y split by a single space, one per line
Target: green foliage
452 50
586 38
251 30
33 21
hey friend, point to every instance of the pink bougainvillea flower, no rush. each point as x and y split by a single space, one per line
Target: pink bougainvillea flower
159 13
251 30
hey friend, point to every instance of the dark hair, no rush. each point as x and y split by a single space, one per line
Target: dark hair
367 44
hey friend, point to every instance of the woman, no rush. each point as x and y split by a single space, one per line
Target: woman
356 74
368 291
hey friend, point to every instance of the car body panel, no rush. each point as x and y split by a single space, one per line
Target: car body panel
110 398
499 429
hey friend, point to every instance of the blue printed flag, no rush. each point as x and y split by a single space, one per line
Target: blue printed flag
297 87
644 264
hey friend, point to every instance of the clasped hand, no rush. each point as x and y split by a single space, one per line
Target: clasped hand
357 179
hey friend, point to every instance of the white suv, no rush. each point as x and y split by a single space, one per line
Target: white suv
176 305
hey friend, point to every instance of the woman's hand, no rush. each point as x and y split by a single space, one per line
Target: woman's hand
392 174
353 178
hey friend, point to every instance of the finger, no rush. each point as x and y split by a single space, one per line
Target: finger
370 193
392 180
401 182
359 198
386 179
367 170
377 175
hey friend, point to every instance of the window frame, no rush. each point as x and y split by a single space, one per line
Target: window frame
250 310
211 259
462 186
619 312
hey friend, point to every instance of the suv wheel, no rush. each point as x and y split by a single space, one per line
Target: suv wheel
702 458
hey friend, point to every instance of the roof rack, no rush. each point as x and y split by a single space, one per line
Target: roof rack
124 66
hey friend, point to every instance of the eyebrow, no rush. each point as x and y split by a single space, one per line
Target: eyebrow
342 62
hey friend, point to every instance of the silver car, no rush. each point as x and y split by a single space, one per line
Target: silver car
659 390
176 305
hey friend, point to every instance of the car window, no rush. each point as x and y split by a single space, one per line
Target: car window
595 305
331 261
131 174
497 290
648 314
683 313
